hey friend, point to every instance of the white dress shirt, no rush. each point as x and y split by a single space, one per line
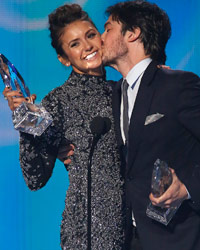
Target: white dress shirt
133 79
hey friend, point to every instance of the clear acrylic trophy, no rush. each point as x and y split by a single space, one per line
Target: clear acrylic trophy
28 117
161 180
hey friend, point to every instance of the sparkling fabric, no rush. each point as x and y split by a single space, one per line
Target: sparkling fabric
73 106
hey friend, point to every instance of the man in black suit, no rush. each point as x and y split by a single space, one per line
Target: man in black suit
157 114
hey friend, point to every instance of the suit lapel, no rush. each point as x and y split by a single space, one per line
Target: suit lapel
140 111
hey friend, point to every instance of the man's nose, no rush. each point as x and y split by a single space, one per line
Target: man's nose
102 36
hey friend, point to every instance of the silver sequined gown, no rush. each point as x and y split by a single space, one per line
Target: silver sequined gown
73 106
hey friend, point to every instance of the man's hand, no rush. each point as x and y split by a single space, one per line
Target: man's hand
65 152
15 98
173 196
163 66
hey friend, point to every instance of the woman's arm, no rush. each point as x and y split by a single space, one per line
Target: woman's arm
38 154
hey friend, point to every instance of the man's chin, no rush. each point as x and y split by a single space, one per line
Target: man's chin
106 64
105 61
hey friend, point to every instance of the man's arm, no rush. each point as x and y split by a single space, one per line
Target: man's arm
64 153
189 117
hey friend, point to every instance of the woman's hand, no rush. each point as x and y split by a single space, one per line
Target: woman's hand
15 98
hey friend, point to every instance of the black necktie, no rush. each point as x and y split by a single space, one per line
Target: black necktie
125 109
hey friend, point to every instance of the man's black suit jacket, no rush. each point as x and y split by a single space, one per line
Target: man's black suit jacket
174 138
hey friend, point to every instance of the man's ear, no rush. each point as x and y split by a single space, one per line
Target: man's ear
132 36
64 61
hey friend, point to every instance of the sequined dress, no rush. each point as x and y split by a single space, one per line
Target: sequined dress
73 106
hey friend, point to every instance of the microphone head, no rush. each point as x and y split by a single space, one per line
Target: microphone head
107 124
100 125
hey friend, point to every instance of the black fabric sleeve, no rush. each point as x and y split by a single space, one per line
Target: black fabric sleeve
189 116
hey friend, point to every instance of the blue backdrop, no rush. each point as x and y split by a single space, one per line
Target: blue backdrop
31 220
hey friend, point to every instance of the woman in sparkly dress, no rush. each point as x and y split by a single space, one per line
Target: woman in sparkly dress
85 95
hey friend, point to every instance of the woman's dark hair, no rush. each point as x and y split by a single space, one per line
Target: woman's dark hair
60 18
153 22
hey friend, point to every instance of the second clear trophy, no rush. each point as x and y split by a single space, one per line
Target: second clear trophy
161 180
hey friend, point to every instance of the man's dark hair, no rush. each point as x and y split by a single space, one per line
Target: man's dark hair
153 22
60 18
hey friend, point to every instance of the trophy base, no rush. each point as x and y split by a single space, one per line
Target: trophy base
162 215
32 119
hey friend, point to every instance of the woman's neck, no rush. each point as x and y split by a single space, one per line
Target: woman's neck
94 72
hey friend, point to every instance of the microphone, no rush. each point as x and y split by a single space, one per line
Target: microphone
99 126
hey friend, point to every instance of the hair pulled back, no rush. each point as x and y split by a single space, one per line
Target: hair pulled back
60 18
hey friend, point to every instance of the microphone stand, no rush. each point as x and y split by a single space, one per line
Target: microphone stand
99 126
94 142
